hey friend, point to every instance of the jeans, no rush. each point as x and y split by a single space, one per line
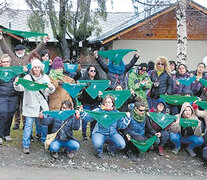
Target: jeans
84 123
71 145
41 130
116 142
192 141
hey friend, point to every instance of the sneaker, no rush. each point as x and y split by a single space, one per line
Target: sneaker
99 155
54 155
16 127
70 155
160 151
176 150
8 138
1 141
190 151
32 139
111 154
26 150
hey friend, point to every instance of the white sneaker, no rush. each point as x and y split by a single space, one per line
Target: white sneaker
8 138
1 141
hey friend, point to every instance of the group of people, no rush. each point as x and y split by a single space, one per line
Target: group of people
145 82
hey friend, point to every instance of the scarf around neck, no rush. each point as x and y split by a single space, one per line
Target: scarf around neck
116 69
56 74
139 118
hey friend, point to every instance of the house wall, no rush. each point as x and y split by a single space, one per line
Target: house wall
151 49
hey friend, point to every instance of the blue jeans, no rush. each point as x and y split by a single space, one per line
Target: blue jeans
192 141
41 130
84 123
116 142
71 145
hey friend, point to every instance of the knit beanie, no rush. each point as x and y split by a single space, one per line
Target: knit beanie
143 66
57 63
36 62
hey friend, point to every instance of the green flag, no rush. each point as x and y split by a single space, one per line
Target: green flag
203 82
31 85
61 115
115 55
143 146
25 34
73 89
188 81
202 104
120 96
178 100
188 122
163 120
45 66
7 73
95 86
70 67
106 118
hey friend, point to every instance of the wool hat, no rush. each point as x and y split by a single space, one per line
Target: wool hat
19 47
143 66
161 101
57 63
37 62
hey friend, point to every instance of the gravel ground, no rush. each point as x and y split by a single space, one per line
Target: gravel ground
149 163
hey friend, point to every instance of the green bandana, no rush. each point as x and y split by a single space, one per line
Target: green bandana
31 85
115 55
73 89
106 118
178 100
61 115
56 74
95 86
70 67
188 123
137 116
188 81
202 104
120 96
163 120
143 146
25 34
203 82
7 73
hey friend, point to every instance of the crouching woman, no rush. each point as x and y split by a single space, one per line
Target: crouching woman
109 134
190 135
64 137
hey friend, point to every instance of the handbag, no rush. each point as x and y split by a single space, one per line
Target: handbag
51 137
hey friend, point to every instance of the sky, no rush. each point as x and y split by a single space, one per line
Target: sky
118 5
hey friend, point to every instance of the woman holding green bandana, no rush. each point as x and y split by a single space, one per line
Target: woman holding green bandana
8 99
58 78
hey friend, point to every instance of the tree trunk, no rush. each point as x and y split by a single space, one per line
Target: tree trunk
181 32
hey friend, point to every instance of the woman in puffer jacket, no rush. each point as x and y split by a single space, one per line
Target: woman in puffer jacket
192 136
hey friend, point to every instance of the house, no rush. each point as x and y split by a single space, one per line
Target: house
156 35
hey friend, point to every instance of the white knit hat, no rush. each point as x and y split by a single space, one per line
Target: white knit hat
37 62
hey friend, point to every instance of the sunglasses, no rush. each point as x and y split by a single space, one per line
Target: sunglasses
142 110
161 64
92 70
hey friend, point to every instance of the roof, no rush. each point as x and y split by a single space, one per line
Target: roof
136 20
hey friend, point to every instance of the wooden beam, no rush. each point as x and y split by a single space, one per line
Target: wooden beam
138 25
198 7
14 36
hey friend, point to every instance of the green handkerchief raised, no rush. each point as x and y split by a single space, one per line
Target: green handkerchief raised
31 85
163 120
188 122
7 73
202 104
203 82
178 100
120 96
143 146
73 89
188 81
115 55
61 115
106 118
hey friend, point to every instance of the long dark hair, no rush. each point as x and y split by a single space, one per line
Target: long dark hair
86 76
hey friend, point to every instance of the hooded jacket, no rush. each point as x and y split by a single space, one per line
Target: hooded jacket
189 131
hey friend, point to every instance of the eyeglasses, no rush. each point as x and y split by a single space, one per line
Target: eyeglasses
92 70
160 64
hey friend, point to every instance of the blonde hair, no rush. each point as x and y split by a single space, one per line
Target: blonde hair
165 61
5 56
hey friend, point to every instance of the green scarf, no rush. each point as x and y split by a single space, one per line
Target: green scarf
139 118
56 74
